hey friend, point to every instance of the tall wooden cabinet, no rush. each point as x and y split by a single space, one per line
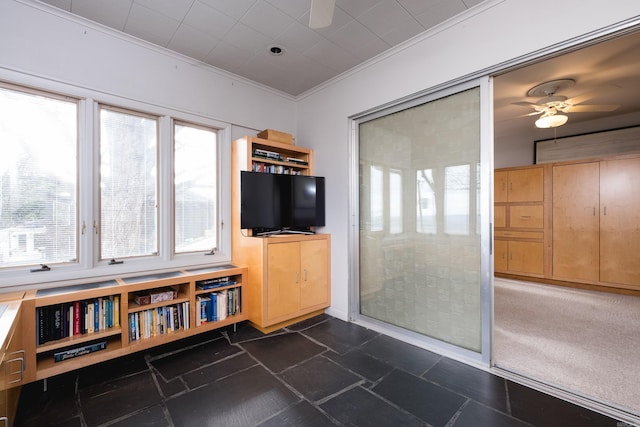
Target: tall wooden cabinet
519 221
574 221
289 275
596 222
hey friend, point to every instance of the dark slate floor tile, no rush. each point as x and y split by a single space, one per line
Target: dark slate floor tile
309 322
405 356
243 399
152 417
170 388
245 332
477 384
541 409
56 407
340 336
423 399
211 373
279 352
181 362
183 343
114 399
318 378
359 407
111 369
361 363
300 414
44 422
476 415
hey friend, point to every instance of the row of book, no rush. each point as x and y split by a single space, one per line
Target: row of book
218 306
262 167
158 321
68 319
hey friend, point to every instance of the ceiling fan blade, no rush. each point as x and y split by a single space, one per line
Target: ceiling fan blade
591 94
525 104
592 108
321 13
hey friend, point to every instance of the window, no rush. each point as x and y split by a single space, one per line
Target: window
456 199
128 184
38 178
426 220
84 183
195 188
395 202
376 197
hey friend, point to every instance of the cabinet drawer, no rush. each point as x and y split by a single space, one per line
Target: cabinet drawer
526 216
520 234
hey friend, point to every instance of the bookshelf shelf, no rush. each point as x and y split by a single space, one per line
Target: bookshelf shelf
77 339
63 351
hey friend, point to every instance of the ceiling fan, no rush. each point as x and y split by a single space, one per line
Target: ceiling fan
321 13
551 104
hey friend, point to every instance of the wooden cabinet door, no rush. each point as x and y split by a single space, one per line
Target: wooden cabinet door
500 216
526 185
500 185
314 286
526 257
500 255
620 221
576 221
283 279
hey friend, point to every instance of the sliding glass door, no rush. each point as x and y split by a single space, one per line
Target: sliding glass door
422 265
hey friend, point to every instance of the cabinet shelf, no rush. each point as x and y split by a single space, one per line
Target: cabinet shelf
77 339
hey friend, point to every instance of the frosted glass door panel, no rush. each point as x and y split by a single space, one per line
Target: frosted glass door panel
420 247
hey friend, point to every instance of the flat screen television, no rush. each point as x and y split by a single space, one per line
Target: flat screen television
278 203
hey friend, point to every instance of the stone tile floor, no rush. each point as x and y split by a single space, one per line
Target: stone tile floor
319 372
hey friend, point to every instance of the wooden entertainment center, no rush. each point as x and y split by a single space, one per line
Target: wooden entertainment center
289 275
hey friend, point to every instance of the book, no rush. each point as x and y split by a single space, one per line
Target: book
77 324
79 351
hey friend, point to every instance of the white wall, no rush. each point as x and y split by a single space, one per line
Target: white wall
492 34
40 44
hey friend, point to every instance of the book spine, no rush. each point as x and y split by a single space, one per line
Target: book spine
77 325
79 351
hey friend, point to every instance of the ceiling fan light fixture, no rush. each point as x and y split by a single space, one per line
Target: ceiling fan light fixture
552 121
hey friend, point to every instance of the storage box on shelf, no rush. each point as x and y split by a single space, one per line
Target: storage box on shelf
74 326
289 276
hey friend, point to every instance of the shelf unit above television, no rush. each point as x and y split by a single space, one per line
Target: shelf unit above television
261 155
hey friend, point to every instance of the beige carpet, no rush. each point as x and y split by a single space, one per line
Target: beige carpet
585 342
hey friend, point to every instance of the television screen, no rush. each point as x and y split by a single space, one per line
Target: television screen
277 202
307 201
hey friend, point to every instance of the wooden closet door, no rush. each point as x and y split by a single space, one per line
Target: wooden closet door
620 221
576 221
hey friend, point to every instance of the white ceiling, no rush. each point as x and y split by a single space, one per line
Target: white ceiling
235 35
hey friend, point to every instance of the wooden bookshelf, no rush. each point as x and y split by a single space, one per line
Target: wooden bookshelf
40 356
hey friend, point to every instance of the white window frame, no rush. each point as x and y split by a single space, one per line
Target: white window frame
89 267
